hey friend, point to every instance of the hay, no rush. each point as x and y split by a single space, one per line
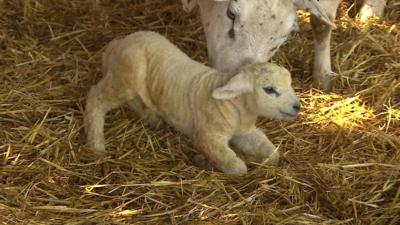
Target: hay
340 158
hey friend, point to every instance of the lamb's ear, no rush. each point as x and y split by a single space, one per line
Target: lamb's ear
313 7
188 5
237 85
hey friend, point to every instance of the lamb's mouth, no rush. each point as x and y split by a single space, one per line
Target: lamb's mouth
289 115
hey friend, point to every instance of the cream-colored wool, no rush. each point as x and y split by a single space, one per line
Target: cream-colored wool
153 76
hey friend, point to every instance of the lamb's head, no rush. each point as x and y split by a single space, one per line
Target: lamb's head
268 91
242 31
275 97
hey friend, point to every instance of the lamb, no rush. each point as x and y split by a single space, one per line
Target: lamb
217 110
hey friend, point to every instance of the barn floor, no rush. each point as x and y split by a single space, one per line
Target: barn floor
340 158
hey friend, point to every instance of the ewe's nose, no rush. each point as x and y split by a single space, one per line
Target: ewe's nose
296 107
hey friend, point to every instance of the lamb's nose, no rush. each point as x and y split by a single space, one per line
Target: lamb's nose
296 107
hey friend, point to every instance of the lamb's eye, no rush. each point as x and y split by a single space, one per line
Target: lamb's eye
271 91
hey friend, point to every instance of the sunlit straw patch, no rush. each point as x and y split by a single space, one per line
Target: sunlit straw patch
326 110
347 21
392 118
393 113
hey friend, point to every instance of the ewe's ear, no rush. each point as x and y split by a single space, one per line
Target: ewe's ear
188 5
313 7
237 85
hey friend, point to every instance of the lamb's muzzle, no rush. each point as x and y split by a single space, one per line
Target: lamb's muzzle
215 109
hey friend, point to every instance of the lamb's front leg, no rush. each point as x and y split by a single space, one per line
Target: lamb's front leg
215 147
256 147
322 71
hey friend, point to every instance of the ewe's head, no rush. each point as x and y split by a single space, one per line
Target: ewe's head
242 31
268 88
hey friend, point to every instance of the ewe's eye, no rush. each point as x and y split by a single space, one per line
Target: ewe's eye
232 16
271 91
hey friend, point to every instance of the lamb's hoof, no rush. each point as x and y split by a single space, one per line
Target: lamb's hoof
239 168
273 159
236 168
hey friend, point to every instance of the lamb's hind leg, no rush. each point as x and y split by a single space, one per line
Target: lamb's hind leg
103 97
254 146
322 71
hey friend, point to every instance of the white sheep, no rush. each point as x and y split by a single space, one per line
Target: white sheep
217 110
240 31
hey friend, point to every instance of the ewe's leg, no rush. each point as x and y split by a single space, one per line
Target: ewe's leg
144 112
322 72
216 149
256 147
372 8
103 97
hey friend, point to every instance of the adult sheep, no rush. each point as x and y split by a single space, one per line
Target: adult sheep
242 31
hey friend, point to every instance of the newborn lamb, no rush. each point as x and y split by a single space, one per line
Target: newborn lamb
218 111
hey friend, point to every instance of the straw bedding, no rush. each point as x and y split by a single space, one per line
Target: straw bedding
340 158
